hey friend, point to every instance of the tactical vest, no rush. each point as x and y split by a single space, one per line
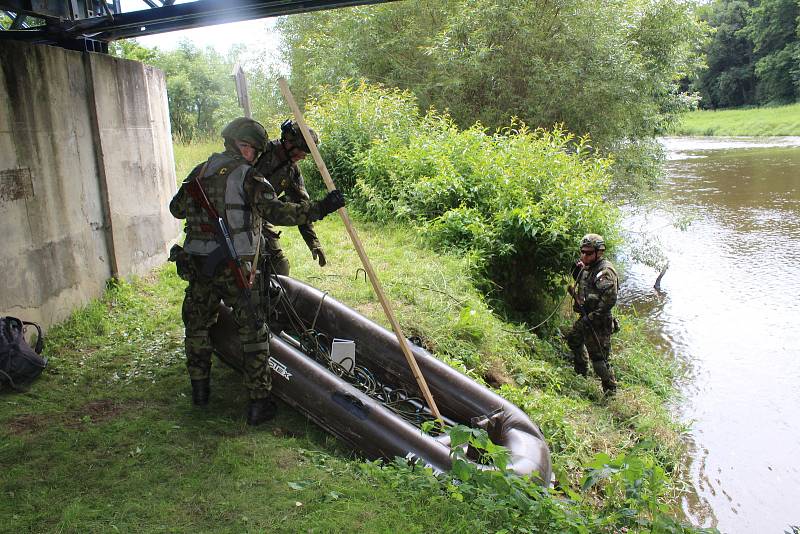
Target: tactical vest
587 284
223 182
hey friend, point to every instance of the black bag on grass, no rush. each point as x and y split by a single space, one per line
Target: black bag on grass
19 363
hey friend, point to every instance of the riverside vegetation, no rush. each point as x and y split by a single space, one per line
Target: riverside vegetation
613 72
109 433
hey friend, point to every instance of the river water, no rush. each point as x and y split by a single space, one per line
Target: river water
728 220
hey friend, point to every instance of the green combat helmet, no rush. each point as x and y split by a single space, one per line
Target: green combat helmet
247 130
593 240
290 131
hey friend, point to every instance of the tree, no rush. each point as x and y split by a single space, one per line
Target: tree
198 85
131 49
383 43
604 67
774 31
200 89
754 56
729 79
608 69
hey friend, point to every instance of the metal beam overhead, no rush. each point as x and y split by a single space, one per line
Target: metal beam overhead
77 21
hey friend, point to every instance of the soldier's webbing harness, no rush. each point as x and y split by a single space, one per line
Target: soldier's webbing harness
226 249
584 315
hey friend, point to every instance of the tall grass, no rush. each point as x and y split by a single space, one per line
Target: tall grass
778 120
109 434
187 155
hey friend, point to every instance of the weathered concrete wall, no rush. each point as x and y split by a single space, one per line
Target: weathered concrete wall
136 147
75 211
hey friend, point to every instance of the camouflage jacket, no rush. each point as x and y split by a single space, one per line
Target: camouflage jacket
597 287
257 196
289 186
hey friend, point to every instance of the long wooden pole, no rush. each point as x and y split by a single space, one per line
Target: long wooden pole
323 170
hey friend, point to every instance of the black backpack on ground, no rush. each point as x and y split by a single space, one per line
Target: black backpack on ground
19 363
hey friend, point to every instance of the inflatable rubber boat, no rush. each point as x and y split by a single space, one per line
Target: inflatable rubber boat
348 374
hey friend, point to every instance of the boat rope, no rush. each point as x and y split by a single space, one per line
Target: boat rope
532 328
316 345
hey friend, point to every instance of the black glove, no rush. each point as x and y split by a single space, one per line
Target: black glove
332 202
319 255
577 267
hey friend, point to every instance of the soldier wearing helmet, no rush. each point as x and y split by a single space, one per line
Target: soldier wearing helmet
278 164
595 295
243 199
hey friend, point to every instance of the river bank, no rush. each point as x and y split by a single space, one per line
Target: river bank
113 410
766 121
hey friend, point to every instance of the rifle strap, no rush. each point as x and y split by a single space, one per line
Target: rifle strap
199 195
254 268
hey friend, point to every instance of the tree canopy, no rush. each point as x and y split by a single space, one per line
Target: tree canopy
200 88
604 67
754 55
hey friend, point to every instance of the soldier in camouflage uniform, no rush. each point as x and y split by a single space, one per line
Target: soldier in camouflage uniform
278 164
243 198
595 296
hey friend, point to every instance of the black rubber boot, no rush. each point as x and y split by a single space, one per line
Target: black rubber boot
200 391
261 410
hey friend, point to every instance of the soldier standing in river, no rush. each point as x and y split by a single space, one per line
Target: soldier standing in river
236 193
278 164
594 296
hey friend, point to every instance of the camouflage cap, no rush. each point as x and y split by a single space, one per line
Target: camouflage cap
593 240
247 130
290 131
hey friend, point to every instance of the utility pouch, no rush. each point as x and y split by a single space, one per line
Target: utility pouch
271 234
183 262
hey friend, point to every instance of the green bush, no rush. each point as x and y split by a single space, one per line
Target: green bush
630 486
350 118
518 200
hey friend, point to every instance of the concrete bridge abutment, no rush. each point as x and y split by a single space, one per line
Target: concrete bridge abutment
86 175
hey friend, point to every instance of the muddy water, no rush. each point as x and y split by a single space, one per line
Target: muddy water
730 309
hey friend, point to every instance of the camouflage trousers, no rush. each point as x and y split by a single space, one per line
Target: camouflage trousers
279 261
593 342
200 310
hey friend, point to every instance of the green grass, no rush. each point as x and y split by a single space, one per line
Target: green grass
779 120
189 155
107 440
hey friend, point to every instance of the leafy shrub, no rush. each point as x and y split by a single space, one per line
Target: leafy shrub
629 485
518 200
350 118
